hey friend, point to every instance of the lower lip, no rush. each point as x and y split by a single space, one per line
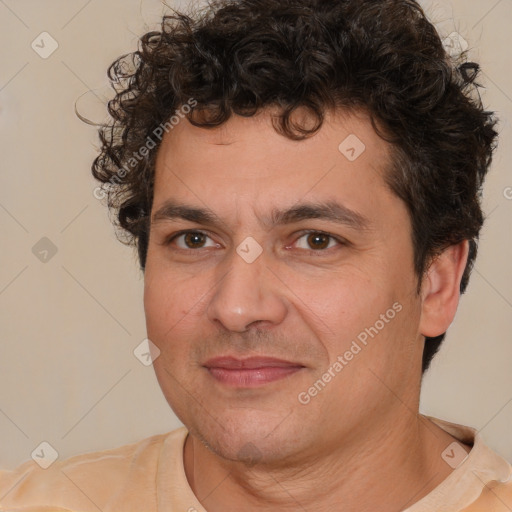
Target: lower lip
252 377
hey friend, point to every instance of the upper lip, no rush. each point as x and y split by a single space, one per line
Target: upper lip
234 363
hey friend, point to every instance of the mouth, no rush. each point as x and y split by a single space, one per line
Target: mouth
251 372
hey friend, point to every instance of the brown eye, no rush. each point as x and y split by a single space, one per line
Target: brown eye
192 240
316 241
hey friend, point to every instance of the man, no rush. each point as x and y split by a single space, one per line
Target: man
302 181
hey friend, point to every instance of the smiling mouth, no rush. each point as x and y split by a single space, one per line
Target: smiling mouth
251 372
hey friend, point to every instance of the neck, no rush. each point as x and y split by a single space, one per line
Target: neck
393 464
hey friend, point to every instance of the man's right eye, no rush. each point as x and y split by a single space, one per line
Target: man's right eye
189 240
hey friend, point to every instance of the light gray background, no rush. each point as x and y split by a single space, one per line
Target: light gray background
69 326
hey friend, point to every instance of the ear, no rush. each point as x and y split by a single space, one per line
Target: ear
440 290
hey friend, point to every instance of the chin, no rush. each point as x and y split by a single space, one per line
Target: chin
249 440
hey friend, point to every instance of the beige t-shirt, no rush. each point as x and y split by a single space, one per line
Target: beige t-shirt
149 476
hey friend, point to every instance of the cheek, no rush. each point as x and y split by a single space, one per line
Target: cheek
342 303
365 321
172 325
171 303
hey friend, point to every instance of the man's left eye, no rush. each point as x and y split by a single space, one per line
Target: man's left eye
317 241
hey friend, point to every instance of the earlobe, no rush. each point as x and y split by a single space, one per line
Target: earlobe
440 289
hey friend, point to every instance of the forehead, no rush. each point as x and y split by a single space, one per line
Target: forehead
245 160
336 127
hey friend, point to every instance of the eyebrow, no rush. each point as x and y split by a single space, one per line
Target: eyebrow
330 211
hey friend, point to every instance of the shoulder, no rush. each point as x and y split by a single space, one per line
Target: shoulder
495 497
87 481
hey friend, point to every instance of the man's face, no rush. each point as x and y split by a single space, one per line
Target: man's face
331 302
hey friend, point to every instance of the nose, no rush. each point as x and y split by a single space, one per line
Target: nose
249 293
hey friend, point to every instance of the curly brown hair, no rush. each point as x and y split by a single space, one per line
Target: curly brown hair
238 56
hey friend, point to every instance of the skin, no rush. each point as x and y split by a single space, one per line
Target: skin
360 440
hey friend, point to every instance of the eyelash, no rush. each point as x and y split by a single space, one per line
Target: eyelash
341 242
